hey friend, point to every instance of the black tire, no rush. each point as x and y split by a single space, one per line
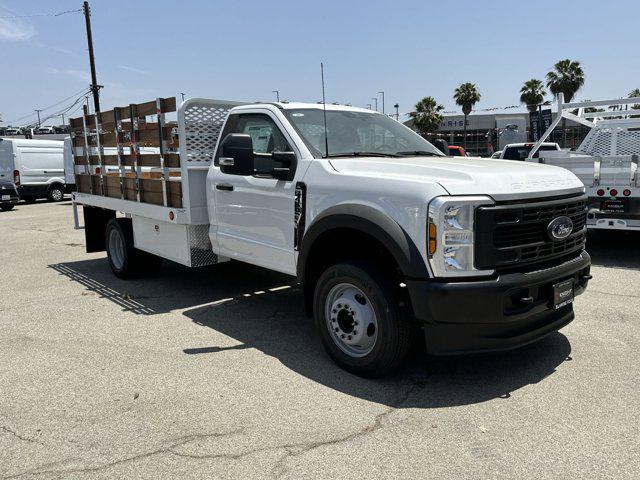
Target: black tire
6 207
128 262
394 332
56 193
28 199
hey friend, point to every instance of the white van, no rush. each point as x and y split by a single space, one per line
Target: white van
35 166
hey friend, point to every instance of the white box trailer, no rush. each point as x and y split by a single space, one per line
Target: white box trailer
606 161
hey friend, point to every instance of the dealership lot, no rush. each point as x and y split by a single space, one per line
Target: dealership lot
218 374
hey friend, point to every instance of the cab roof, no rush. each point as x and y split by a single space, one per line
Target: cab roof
317 106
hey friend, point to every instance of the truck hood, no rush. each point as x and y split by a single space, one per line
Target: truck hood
501 179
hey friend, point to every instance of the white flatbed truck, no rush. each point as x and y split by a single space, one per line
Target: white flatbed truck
390 239
606 161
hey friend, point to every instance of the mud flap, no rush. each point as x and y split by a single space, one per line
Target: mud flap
95 226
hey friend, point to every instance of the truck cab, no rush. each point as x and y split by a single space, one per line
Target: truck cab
390 239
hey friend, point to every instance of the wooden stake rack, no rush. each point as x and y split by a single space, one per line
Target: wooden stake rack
120 154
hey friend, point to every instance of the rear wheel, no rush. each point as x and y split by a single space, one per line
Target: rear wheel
125 260
56 193
359 320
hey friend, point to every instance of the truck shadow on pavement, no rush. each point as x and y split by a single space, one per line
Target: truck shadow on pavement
262 310
614 248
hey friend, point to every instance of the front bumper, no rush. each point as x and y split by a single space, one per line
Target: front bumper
489 315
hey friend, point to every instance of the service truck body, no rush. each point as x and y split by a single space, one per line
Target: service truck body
387 235
606 161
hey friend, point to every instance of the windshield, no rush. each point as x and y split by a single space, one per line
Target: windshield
352 133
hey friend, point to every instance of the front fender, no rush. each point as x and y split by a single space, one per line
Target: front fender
372 222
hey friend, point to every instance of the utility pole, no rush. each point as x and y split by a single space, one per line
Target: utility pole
277 92
38 112
375 99
396 106
382 101
94 82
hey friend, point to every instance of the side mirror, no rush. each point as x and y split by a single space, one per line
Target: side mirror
284 165
237 156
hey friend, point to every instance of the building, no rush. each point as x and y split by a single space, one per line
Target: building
489 132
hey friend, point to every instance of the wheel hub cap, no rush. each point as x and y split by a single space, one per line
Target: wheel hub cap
351 320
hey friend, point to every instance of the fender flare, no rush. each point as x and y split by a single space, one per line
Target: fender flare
372 222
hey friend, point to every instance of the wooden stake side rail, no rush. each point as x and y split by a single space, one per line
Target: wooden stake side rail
147 136
120 140
150 188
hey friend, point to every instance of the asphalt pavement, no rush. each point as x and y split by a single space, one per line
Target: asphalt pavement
217 373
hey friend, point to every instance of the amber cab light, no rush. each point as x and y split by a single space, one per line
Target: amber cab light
432 238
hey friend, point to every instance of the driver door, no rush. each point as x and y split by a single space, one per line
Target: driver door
254 214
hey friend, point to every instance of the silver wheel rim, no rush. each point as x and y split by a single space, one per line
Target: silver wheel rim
116 249
56 194
351 320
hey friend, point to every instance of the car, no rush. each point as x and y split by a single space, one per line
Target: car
496 154
46 130
8 194
520 151
456 151
10 131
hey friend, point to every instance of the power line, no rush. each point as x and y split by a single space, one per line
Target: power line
83 91
33 15
64 110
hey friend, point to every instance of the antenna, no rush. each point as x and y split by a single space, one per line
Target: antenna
324 112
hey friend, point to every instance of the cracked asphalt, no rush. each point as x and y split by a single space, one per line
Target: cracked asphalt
217 373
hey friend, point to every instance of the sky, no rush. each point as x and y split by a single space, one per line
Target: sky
244 49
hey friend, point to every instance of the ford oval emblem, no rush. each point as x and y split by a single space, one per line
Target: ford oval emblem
559 228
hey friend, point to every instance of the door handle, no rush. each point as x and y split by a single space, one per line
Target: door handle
224 187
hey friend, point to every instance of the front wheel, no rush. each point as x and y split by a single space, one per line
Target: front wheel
359 320
6 207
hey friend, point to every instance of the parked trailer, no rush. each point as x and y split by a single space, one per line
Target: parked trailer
388 237
606 161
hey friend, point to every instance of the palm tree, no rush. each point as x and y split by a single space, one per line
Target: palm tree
634 94
466 96
427 118
567 77
532 93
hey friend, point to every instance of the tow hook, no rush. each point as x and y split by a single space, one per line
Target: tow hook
587 277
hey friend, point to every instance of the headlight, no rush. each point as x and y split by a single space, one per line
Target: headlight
451 235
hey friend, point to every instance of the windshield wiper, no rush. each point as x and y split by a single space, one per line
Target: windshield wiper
419 153
361 154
